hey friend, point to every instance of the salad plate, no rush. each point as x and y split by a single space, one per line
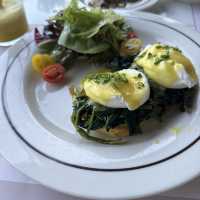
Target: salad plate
38 138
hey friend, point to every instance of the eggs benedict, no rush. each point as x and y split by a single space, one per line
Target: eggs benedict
167 66
114 105
126 88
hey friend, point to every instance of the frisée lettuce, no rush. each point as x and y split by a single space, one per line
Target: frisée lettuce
91 31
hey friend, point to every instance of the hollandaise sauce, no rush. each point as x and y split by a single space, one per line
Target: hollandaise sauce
132 92
163 64
123 89
12 20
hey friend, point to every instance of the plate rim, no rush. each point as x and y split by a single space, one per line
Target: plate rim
156 18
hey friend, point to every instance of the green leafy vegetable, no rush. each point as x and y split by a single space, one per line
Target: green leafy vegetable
88 116
47 46
107 77
91 31
80 45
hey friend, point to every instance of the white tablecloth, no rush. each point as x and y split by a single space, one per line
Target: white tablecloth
14 185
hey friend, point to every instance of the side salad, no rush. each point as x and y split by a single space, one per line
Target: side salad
75 32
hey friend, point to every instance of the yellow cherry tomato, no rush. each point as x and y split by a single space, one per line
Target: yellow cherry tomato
40 61
130 47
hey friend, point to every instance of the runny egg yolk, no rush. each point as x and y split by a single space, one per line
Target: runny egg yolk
123 89
165 65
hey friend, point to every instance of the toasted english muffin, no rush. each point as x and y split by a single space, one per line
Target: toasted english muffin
119 131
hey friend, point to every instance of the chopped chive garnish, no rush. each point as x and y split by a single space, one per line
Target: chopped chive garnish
167 47
142 55
140 85
104 78
139 75
150 55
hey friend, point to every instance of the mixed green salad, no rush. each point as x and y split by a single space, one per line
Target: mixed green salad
130 92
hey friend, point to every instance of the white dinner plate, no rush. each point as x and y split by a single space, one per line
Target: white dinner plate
37 136
137 5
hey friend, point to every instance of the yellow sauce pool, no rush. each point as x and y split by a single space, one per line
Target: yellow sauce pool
12 20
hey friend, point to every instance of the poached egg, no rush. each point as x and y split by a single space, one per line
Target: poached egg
126 88
167 66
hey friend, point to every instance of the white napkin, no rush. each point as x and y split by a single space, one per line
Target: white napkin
9 173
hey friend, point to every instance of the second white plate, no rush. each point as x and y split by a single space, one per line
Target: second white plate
137 5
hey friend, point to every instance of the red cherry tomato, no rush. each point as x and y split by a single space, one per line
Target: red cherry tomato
131 34
54 73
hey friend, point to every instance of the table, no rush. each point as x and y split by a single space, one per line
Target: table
14 184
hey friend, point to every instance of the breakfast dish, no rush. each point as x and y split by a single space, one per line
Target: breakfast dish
36 121
121 101
137 84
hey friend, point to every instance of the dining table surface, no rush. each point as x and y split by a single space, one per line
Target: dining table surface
13 184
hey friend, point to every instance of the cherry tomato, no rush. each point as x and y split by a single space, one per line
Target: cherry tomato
131 34
130 47
40 61
54 73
